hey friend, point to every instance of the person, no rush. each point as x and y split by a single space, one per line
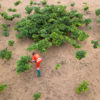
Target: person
36 57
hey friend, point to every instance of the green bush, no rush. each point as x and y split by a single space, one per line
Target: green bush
5 54
3 87
28 9
7 17
11 42
83 87
17 3
87 21
97 11
86 7
37 96
57 66
52 23
31 2
80 54
44 2
4 30
72 4
12 10
95 43
23 64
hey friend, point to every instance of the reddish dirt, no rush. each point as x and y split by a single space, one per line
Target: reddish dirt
53 84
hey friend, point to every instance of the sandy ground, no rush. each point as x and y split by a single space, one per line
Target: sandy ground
54 84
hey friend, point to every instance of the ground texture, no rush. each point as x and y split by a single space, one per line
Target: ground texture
54 84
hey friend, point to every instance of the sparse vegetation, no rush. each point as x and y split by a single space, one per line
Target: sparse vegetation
83 87
4 30
3 87
37 96
57 66
17 3
28 9
87 21
11 42
95 43
72 4
48 25
5 54
12 10
23 64
80 54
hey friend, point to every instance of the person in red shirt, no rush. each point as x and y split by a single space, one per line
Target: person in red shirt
36 57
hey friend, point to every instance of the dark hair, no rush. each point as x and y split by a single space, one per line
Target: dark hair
33 53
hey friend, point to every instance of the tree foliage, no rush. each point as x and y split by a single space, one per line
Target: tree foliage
23 64
53 24
12 10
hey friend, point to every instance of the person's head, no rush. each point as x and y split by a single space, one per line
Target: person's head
33 53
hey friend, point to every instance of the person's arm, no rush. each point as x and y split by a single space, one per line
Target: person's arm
33 59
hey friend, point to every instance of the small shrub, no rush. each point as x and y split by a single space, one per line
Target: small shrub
28 9
7 17
95 43
97 11
90 27
5 54
80 54
83 87
44 2
17 3
57 66
12 10
86 7
11 42
2 87
52 24
72 4
87 21
37 96
4 30
58 2
31 2
23 64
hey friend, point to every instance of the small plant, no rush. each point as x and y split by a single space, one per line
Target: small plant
5 54
31 2
4 30
72 4
83 87
37 96
97 11
28 9
0 5
44 2
58 2
87 21
7 17
11 42
80 54
17 3
86 7
12 10
3 87
90 27
57 66
23 64
95 43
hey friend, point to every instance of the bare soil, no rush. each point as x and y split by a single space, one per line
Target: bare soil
53 84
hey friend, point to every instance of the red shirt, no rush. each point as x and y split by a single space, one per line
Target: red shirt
37 58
